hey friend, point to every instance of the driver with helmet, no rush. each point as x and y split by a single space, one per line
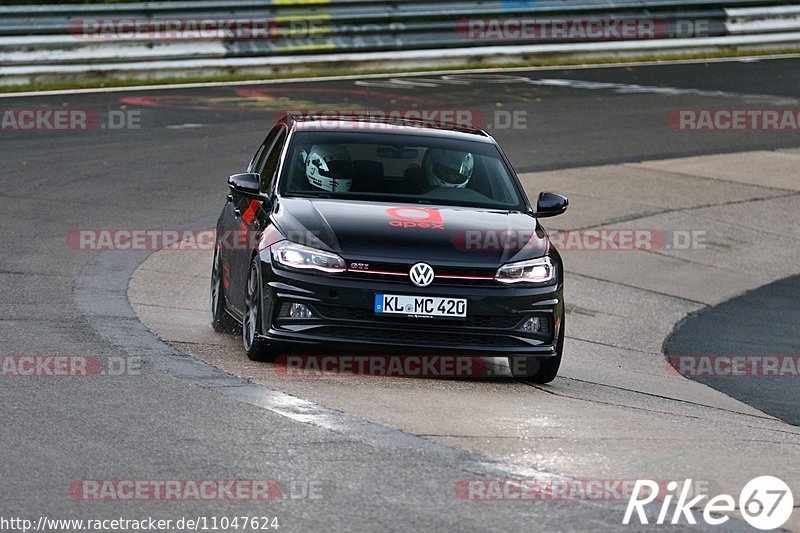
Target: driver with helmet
329 167
448 168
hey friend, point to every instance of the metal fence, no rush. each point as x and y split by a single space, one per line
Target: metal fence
57 38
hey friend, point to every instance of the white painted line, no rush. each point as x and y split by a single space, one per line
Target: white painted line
626 88
275 81
190 125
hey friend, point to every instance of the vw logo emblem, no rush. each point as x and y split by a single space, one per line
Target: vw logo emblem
421 274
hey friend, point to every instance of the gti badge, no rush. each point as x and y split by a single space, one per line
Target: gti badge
421 274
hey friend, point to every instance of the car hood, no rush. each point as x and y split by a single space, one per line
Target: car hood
381 231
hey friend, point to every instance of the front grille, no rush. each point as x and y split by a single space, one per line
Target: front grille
431 338
335 312
397 272
464 276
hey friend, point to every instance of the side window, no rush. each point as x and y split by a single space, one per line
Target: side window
271 158
258 159
255 159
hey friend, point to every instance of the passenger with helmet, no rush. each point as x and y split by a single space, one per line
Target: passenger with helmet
329 167
448 169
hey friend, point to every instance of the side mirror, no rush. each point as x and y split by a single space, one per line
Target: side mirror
551 205
246 184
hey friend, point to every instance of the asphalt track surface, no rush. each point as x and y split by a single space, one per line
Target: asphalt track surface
761 322
178 419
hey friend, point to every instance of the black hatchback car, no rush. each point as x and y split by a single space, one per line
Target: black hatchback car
356 235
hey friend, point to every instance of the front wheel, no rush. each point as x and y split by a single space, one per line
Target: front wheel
256 347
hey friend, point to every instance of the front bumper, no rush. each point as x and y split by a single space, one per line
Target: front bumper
345 324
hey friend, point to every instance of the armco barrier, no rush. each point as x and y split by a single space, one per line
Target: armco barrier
225 36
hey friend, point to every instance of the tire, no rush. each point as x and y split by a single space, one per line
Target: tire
257 348
538 370
221 321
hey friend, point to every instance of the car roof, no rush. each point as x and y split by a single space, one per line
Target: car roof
383 124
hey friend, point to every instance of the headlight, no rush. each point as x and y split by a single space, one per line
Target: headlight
291 255
540 271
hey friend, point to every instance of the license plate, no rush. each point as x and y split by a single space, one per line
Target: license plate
420 306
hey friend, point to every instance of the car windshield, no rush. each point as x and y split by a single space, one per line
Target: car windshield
375 166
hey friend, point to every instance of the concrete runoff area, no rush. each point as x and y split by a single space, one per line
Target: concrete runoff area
618 410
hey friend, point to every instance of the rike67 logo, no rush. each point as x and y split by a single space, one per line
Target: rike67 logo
765 503
415 217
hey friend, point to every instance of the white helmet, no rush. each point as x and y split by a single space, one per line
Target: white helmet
329 167
447 168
